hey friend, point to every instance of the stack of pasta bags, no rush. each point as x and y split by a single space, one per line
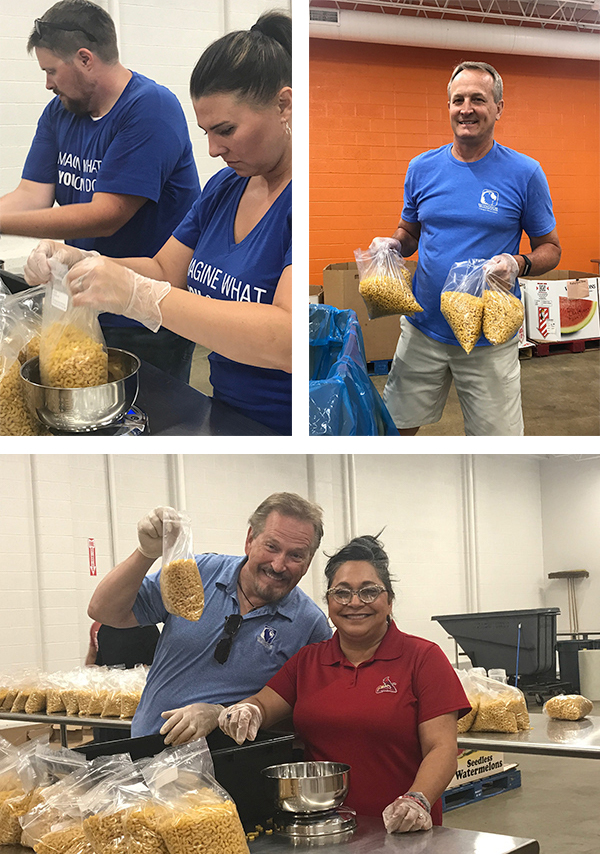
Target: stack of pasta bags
100 691
55 801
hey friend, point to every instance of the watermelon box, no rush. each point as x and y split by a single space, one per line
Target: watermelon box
562 307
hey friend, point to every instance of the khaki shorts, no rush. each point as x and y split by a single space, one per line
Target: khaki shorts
487 380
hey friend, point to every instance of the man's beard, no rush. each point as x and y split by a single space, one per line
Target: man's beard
74 105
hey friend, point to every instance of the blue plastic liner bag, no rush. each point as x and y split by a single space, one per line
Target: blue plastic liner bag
342 398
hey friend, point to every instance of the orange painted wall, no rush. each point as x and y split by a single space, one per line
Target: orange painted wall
374 107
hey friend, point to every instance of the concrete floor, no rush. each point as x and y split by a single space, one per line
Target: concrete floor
557 804
560 393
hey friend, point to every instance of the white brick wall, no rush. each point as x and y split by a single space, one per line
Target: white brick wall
158 38
51 503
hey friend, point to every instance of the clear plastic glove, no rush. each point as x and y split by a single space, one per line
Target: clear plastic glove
502 269
37 270
241 721
110 287
406 814
189 723
379 244
150 533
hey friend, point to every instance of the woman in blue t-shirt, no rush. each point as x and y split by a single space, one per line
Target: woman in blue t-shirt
224 278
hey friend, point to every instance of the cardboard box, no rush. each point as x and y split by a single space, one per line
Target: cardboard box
473 764
17 733
315 294
340 289
562 307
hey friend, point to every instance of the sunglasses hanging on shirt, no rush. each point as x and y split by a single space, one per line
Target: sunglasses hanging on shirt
223 648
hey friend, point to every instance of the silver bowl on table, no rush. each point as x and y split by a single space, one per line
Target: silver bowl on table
83 409
307 787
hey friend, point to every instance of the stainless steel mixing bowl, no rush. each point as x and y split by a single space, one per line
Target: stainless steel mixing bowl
83 409
307 787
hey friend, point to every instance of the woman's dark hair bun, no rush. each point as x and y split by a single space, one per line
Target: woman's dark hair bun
255 64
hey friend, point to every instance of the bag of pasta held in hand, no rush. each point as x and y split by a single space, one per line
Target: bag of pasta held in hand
73 352
385 283
180 583
461 302
502 310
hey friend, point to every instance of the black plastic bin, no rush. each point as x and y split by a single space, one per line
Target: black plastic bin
490 639
568 658
237 767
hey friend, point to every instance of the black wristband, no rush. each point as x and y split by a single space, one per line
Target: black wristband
527 267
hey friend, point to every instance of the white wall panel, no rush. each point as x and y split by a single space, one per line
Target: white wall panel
570 514
531 518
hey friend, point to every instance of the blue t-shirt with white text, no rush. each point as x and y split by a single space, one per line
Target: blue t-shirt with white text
141 147
469 210
248 271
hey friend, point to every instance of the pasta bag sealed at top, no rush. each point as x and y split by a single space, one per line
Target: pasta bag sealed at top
73 352
180 583
461 301
385 283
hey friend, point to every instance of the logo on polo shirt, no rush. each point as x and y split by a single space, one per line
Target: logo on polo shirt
387 686
267 637
489 200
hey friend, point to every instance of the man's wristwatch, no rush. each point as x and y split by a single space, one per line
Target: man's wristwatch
527 267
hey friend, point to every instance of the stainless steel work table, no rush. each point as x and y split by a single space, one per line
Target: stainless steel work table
370 836
547 736
65 720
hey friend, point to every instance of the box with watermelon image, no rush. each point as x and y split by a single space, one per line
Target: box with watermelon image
561 308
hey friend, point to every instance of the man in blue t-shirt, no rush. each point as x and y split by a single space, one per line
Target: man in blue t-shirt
112 148
471 199
253 620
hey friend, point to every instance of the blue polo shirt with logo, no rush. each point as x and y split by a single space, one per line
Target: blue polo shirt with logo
185 671
469 210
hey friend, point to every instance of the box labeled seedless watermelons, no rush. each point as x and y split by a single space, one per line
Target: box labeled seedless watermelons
561 310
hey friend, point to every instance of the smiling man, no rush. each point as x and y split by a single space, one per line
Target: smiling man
113 150
470 199
254 618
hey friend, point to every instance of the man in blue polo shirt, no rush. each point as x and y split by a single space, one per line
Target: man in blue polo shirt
254 619
112 148
470 199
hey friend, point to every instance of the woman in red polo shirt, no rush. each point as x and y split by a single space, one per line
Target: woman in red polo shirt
372 696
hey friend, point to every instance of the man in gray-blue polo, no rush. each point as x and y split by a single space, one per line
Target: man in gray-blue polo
254 619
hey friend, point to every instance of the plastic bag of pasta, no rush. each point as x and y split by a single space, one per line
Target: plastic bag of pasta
72 348
465 723
384 282
502 708
15 333
199 815
180 583
568 707
461 301
502 310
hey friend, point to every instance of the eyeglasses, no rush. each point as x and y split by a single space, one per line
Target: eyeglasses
223 648
367 594
39 26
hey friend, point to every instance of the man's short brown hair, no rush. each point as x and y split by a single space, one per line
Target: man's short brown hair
90 17
497 86
289 505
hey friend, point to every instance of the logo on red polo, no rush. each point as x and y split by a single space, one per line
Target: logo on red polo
387 686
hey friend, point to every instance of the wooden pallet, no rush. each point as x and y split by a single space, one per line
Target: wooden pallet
548 348
482 788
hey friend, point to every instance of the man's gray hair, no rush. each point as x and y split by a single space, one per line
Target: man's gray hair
497 87
289 505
